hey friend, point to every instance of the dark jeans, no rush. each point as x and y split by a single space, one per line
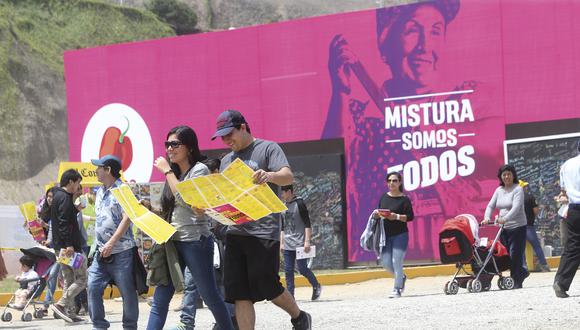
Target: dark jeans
198 257
570 259
515 242
289 260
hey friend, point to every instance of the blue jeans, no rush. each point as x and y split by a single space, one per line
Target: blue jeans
289 260
190 299
189 302
393 254
532 237
51 283
120 270
198 257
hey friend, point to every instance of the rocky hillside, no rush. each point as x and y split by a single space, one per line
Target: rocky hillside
223 14
33 120
33 36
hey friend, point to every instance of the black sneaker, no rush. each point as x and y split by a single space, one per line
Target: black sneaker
61 312
560 293
303 322
77 319
316 291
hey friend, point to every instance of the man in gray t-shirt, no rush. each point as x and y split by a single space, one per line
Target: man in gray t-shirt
252 259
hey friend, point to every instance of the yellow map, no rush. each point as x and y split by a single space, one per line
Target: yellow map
231 197
28 210
150 223
32 222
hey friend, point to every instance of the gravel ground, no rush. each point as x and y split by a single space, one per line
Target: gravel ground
366 306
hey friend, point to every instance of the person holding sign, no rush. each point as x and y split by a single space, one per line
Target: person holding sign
115 243
396 210
252 257
193 240
295 233
66 236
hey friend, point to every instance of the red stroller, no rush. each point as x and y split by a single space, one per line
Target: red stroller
458 245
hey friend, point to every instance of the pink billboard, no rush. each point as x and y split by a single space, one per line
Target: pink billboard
423 89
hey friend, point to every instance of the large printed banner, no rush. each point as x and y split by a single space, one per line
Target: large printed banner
423 89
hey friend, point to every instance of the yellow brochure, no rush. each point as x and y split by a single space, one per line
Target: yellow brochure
149 222
231 197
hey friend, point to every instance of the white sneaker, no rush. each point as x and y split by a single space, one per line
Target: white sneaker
396 293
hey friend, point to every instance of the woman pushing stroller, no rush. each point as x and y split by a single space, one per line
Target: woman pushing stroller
508 198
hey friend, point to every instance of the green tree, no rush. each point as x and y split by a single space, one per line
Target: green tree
177 14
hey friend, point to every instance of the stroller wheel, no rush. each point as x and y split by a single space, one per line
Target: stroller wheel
7 317
500 283
476 286
26 317
56 316
508 283
453 287
469 287
38 314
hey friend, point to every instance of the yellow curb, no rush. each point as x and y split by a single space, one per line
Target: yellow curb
411 272
327 279
5 297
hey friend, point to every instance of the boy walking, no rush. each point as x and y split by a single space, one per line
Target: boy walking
296 232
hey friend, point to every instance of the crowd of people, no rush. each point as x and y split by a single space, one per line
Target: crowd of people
250 251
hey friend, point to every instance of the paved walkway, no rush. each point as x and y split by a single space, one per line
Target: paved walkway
366 306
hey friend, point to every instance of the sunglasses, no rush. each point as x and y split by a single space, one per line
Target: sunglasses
172 144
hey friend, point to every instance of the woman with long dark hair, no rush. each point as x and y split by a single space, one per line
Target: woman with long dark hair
396 210
193 240
44 210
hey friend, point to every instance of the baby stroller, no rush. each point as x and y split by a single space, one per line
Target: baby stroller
459 243
44 260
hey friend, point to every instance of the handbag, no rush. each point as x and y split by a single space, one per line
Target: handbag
140 273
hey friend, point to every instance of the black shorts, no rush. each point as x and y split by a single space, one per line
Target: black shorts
251 269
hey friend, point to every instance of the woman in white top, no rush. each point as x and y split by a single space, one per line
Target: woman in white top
508 198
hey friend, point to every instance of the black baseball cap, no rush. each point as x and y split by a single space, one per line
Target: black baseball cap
110 161
227 121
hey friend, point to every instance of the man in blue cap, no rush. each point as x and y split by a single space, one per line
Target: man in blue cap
115 243
252 258
570 186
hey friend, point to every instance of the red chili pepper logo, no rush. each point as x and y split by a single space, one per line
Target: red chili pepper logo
116 143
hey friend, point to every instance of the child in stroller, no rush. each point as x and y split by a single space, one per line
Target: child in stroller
35 261
459 243
28 279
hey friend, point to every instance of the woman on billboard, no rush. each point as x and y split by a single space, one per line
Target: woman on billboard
386 135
